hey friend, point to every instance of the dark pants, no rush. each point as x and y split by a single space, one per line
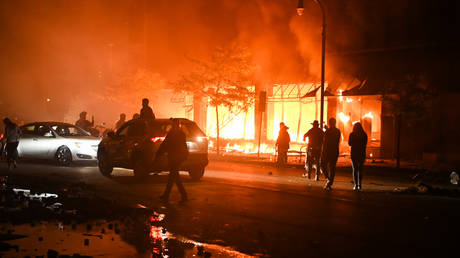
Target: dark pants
282 157
328 166
12 152
358 165
312 157
174 177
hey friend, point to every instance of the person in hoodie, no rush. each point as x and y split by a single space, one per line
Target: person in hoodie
358 141
11 137
175 146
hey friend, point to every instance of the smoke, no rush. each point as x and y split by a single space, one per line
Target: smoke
71 52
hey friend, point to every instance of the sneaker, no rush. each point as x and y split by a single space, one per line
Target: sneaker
359 187
355 188
316 177
327 187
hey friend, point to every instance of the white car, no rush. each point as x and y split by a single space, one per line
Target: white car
62 142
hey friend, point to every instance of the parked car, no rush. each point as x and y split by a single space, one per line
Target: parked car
62 142
135 143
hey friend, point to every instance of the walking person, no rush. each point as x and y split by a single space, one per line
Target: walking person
330 152
146 111
313 153
358 141
282 144
176 147
12 137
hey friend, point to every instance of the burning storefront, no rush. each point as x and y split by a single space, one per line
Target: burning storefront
297 105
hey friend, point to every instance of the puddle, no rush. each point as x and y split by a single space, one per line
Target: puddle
67 223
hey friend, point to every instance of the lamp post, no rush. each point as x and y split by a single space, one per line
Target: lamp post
300 10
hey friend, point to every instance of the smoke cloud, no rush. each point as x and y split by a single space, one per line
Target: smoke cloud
73 52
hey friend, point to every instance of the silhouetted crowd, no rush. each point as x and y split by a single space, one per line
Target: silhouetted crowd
323 151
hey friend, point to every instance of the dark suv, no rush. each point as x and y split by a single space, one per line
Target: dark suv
135 144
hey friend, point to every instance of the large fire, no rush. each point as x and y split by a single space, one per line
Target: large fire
237 129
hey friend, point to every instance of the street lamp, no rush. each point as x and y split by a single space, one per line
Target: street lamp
300 10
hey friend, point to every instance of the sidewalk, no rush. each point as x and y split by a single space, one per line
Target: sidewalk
378 176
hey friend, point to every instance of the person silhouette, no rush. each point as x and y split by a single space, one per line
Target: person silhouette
330 152
146 111
175 146
121 121
313 154
11 137
83 123
282 143
358 141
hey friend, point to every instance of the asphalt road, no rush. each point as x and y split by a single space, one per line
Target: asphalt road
264 211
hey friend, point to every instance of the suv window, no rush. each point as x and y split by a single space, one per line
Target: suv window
134 129
189 128
192 129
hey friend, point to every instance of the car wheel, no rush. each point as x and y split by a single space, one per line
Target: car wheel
104 163
63 156
196 173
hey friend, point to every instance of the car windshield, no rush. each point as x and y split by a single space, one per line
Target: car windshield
69 130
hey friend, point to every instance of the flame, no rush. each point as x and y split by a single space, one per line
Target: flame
248 148
368 115
344 118
234 124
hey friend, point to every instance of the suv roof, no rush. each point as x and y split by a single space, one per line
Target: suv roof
159 126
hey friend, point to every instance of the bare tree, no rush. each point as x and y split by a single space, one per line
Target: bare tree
226 80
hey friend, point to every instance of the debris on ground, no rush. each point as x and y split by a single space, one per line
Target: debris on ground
92 221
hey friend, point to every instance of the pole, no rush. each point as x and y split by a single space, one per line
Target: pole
323 62
260 134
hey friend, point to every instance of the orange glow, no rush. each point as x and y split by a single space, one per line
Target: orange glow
344 118
234 124
248 148
368 115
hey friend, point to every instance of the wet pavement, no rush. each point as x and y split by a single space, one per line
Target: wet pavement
78 223
236 210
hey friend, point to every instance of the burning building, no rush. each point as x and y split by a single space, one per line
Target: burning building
297 105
